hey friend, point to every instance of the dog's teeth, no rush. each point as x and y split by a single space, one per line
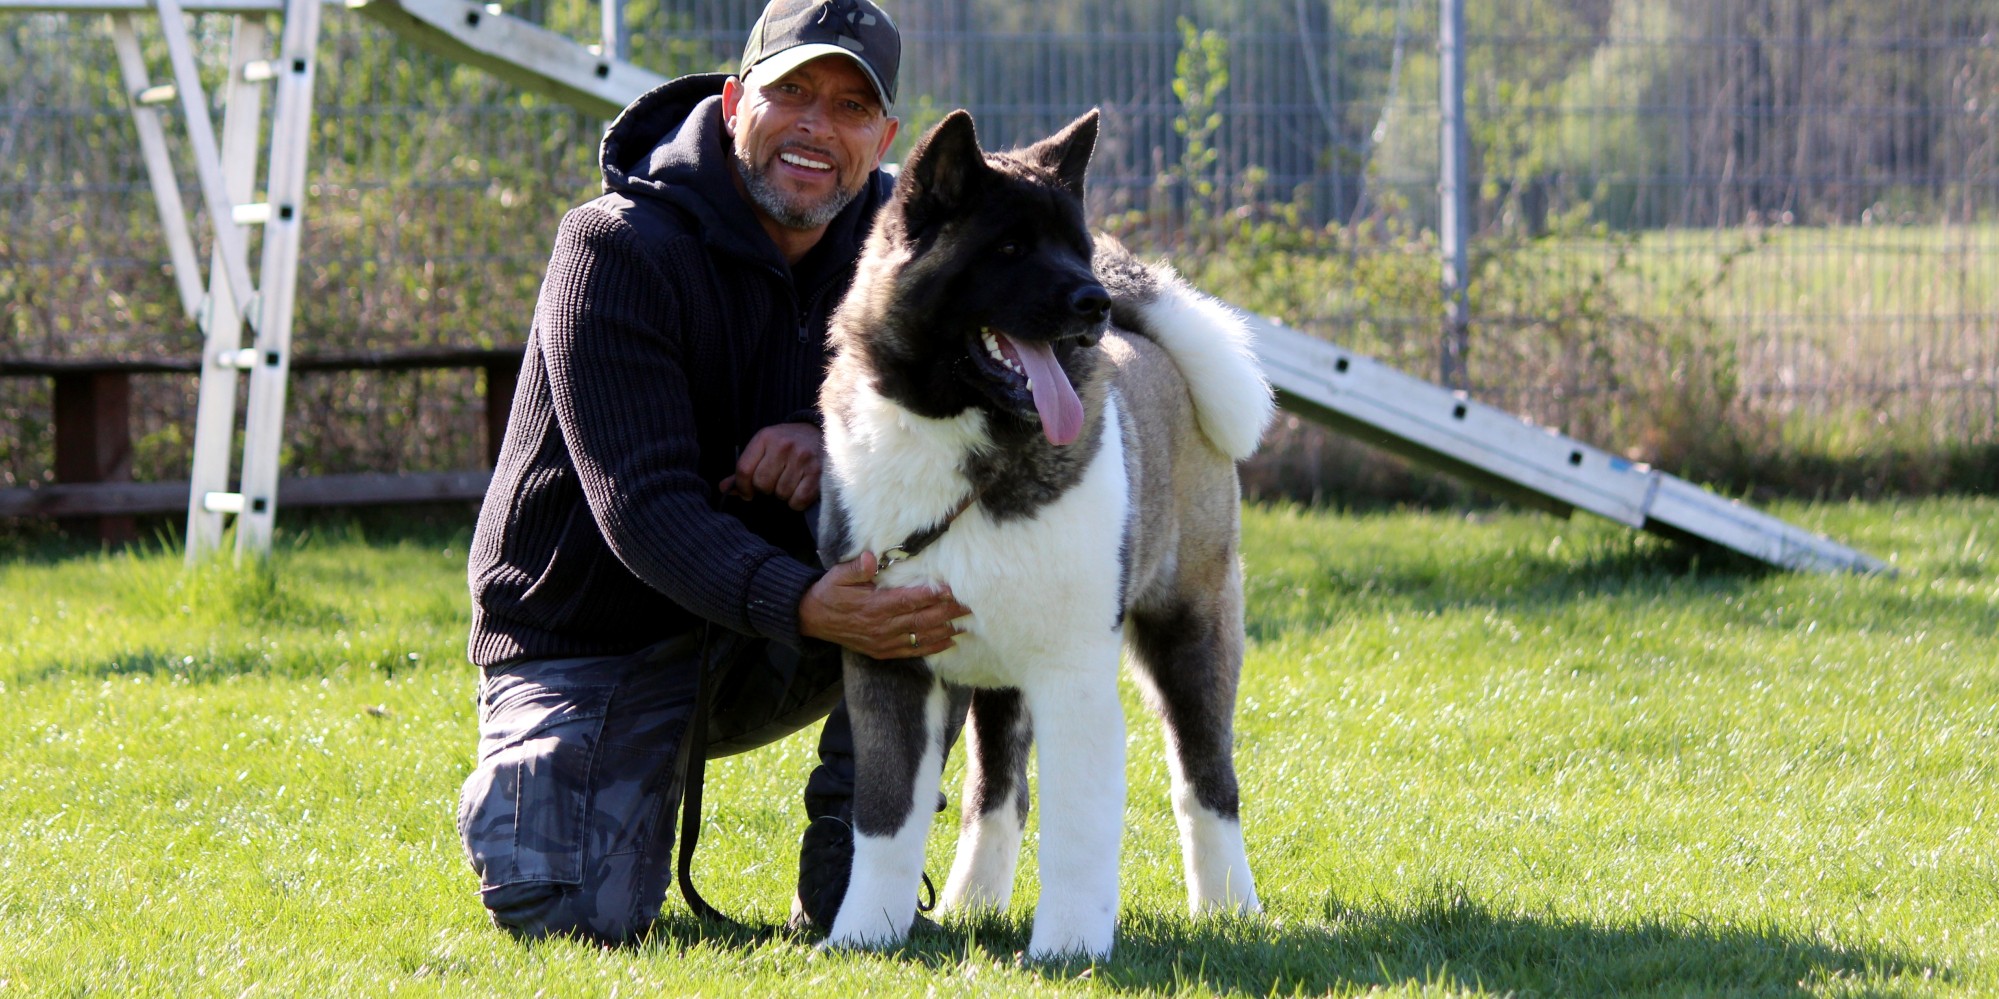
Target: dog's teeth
1030 384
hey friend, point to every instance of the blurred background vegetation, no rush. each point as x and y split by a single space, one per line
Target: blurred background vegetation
1756 244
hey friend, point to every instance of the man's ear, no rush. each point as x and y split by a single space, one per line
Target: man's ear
732 98
889 127
943 169
1067 153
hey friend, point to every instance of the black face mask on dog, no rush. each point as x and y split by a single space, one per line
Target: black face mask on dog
947 173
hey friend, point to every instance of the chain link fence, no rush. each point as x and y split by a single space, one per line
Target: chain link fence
1755 242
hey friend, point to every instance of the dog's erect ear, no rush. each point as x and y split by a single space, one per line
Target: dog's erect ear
1067 153
944 166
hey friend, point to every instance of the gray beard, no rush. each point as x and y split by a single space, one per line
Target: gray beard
782 209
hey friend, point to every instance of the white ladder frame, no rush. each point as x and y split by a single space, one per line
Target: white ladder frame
226 171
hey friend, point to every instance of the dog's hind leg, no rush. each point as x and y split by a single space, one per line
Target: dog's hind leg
1079 734
898 712
997 739
1190 656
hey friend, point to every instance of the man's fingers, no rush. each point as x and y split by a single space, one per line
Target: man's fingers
929 622
765 476
788 481
922 600
806 494
913 644
859 571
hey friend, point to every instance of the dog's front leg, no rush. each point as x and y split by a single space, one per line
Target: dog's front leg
1079 735
897 709
997 739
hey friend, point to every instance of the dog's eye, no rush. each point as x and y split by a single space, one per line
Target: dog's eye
1010 248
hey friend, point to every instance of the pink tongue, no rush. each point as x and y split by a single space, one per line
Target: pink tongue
1054 398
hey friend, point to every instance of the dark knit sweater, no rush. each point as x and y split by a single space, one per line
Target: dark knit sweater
668 332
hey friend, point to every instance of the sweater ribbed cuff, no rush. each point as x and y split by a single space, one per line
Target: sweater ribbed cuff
775 590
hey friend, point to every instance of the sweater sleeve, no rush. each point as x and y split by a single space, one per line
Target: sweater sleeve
622 404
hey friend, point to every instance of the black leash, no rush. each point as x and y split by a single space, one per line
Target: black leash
694 766
694 753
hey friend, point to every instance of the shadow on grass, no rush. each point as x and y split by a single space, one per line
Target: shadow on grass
1450 941
1464 944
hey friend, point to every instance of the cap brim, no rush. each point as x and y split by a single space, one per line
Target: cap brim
776 66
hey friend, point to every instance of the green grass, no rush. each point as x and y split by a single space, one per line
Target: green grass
1481 754
1834 285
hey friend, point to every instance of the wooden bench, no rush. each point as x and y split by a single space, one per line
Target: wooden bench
93 486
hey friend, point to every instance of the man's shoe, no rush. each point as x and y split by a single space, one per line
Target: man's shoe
825 862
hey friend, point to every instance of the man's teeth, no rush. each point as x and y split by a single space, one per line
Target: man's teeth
993 349
796 160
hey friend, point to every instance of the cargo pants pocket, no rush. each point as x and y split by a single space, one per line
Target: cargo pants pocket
523 812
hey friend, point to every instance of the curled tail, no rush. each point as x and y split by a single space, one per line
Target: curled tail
1207 340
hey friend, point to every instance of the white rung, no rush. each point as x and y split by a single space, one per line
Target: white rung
222 502
161 93
242 360
260 70
256 213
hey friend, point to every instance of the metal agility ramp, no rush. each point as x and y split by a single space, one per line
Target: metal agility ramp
1419 420
1510 457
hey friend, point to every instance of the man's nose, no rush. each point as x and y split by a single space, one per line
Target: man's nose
817 116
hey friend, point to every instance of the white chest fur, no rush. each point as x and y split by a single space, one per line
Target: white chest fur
1036 584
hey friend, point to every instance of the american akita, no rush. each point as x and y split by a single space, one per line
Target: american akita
1050 427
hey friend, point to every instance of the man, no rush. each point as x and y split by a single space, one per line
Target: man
646 522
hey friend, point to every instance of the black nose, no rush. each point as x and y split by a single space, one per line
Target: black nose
1091 301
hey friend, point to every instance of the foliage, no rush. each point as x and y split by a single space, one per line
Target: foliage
1616 337
1200 74
1480 756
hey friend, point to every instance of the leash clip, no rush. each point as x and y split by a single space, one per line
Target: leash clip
889 558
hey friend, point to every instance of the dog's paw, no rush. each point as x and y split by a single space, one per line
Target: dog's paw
854 932
1232 904
1062 944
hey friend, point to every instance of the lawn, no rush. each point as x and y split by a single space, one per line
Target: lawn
1481 753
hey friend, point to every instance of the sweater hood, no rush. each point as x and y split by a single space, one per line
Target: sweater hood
670 144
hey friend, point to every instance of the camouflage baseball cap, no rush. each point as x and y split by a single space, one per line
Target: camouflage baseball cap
792 33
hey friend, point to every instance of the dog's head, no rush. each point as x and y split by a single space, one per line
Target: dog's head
976 288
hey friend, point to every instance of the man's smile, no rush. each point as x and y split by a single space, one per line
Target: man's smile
806 162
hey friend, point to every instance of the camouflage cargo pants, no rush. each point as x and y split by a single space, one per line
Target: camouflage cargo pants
568 817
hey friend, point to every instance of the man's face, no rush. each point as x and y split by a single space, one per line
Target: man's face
806 141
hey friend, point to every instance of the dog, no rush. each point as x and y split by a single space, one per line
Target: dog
1033 417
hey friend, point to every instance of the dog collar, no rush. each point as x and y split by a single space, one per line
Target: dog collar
925 538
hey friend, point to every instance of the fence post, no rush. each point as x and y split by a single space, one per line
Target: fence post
501 377
1453 191
617 42
93 411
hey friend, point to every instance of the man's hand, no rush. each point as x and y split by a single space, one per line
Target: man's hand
845 608
782 460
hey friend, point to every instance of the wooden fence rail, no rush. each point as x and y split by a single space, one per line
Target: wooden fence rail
93 488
